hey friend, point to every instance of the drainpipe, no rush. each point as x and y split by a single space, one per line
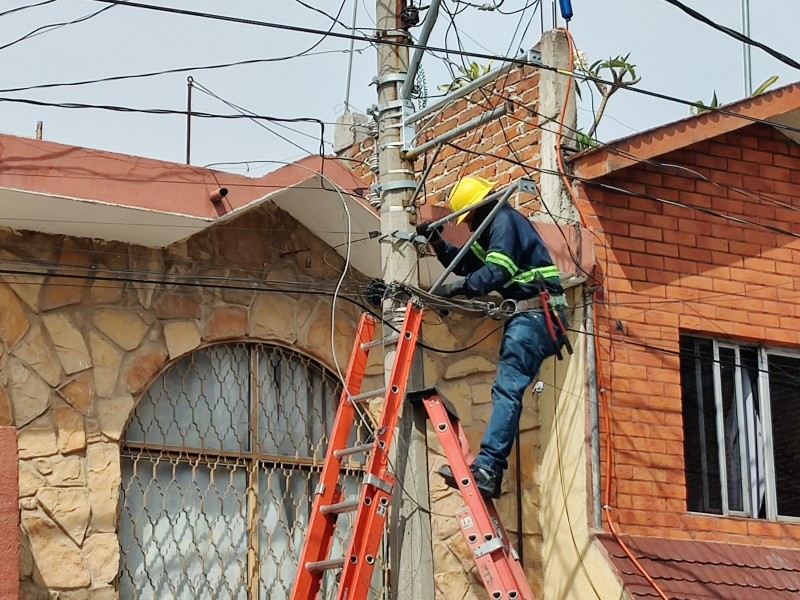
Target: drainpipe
594 414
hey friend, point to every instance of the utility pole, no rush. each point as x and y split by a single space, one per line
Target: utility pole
410 528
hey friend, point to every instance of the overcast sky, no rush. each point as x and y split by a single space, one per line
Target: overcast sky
673 53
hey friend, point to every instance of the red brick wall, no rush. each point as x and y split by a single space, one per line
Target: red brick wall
500 145
9 515
669 269
515 136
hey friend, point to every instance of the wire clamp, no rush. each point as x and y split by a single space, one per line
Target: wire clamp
389 78
403 184
392 105
528 186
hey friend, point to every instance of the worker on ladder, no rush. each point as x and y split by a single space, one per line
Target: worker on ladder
509 257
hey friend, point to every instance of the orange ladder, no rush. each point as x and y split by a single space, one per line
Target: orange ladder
497 561
372 504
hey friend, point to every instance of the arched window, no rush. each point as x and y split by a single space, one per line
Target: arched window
219 464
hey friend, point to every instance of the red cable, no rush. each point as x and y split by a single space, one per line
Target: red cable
599 363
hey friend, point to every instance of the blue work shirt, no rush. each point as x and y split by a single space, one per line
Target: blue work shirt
508 257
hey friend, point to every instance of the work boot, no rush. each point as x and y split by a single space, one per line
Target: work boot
488 483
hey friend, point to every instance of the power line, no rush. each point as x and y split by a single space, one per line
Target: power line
701 209
112 78
578 75
250 113
737 35
410 45
164 111
52 27
672 167
27 6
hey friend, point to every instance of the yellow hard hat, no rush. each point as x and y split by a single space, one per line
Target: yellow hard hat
467 192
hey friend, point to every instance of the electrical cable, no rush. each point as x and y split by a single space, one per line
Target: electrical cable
599 362
672 167
334 19
737 35
556 404
617 189
277 286
27 6
433 49
250 113
52 27
162 111
238 63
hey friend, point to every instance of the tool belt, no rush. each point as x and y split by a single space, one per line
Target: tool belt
555 301
555 326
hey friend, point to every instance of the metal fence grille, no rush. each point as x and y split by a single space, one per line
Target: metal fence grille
219 464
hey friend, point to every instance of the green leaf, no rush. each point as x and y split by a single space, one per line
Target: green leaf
764 86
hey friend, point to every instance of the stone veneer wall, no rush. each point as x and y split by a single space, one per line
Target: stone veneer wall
76 353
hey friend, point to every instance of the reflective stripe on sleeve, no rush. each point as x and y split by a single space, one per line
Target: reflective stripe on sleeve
502 260
478 251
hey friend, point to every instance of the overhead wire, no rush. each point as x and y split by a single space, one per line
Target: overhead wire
574 74
247 112
348 247
430 48
602 387
25 7
737 35
112 78
672 167
334 19
42 29
618 189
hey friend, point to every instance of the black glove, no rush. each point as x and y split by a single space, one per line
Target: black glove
376 292
432 235
456 288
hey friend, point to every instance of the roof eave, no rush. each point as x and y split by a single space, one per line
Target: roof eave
781 106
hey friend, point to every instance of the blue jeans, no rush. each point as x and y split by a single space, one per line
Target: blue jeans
525 346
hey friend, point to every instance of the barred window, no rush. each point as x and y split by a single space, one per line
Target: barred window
741 413
219 464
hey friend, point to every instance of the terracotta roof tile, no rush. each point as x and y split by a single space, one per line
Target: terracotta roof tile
698 570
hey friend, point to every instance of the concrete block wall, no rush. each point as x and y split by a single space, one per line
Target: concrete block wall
669 269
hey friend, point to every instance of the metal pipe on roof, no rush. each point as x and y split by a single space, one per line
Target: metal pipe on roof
416 152
463 91
416 59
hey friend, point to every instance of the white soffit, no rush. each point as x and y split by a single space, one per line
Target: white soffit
322 213
30 211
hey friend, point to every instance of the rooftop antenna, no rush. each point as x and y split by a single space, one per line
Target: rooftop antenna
748 73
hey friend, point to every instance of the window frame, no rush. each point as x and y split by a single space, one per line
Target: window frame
744 431
252 461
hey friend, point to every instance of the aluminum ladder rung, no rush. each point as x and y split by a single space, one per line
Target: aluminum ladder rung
341 507
368 395
354 450
370 505
325 565
388 340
